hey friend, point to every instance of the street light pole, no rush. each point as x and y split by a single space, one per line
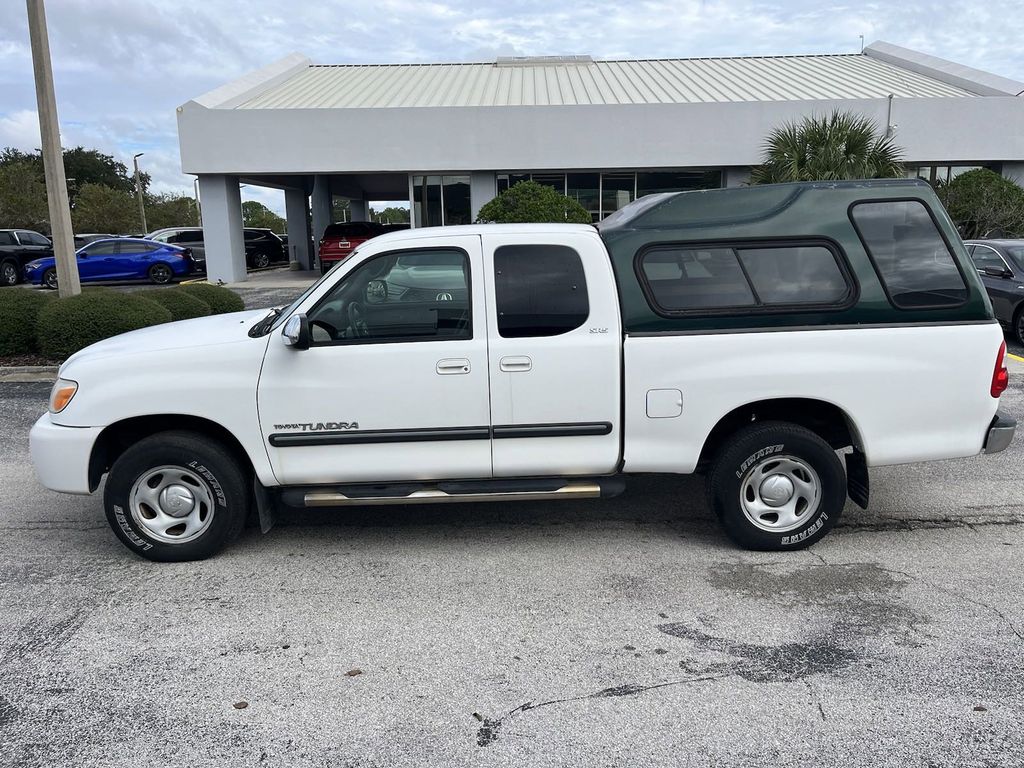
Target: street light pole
53 156
138 192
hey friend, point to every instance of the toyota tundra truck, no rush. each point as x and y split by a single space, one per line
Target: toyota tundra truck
780 339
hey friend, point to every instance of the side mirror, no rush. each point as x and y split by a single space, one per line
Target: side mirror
997 272
296 332
376 292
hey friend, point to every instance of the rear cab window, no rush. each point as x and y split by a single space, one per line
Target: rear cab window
745 277
914 261
540 290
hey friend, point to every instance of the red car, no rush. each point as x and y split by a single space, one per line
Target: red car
340 240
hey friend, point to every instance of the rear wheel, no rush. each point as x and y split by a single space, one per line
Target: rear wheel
1018 324
160 274
50 278
176 496
777 486
260 260
9 273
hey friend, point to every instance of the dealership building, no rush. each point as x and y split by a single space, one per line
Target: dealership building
449 137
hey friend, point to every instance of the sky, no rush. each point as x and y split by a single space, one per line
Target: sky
121 67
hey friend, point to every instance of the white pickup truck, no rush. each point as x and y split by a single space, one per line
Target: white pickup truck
781 339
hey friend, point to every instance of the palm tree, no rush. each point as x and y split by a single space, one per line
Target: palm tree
842 145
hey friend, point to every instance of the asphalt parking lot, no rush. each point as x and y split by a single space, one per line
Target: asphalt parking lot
624 632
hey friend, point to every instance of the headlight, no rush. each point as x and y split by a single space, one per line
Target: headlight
34 265
61 394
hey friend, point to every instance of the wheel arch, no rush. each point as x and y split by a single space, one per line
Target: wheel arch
827 420
117 437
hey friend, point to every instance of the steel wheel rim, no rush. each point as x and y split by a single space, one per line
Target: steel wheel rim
780 493
160 273
171 504
10 274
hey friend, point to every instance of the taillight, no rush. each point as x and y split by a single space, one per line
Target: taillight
1000 376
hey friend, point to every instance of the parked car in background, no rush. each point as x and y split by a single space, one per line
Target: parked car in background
262 246
340 240
1001 266
118 259
17 248
92 237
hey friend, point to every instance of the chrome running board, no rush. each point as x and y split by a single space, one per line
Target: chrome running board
438 496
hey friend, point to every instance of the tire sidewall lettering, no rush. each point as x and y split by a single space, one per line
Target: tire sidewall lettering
768 450
212 480
129 532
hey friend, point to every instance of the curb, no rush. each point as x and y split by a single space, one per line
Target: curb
27 373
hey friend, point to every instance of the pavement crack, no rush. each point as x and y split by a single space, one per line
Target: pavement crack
488 733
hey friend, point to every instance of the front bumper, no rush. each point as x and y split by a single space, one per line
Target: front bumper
1000 433
61 454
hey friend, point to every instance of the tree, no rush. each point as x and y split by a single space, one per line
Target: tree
81 166
983 204
100 208
842 145
390 215
171 210
22 196
529 201
256 214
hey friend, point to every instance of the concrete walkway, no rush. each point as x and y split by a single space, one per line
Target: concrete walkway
277 278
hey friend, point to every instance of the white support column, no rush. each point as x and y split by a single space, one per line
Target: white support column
321 210
223 239
359 209
296 207
483 187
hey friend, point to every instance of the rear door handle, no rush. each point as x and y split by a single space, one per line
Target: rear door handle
515 364
452 366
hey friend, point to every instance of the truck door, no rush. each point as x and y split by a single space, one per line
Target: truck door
555 354
394 383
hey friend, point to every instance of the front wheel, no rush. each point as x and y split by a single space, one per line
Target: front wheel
160 274
9 273
260 260
50 278
176 496
1018 325
777 486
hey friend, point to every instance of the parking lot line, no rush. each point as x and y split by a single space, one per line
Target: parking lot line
1018 358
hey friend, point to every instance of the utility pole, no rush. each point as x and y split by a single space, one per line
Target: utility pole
138 193
53 156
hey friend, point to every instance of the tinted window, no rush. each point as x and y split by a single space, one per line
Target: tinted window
255 234
135 248
540 290
913 261
403 296
983 256
6 238
794 275
352 229
680 279
103 248
189 236
32 238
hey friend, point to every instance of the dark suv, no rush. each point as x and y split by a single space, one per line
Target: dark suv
17 248
1001 266
262 246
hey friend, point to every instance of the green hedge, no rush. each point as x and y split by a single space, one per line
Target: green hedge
181 304
219 299
68 325
19 313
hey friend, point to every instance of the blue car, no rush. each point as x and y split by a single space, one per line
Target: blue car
120 258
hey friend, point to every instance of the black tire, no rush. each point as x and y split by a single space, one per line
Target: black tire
206 469
1018 324
739 492
50 279
160 274
9 273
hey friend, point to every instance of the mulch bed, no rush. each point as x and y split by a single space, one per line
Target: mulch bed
19 360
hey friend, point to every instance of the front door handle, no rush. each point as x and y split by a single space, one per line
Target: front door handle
452 365
515 364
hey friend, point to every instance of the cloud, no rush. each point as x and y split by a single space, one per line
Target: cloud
121 67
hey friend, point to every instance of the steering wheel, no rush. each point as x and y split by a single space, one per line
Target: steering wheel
357 320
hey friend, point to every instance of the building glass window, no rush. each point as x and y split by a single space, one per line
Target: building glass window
554 180
913 261
426 201
455 197
585 189
506 180
540 290
617 190
652 182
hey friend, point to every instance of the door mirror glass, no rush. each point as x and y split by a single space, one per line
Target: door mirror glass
296 332
376 292
997 272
